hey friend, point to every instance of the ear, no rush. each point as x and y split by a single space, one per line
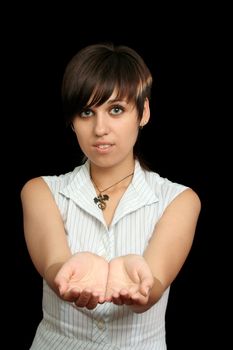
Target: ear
146 113
72 126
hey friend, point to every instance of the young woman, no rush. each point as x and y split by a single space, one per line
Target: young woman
109 237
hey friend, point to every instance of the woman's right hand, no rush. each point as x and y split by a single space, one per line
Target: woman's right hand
82 279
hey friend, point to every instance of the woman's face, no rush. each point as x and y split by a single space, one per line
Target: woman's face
107 133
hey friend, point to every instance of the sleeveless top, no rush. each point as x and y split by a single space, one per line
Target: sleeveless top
65 326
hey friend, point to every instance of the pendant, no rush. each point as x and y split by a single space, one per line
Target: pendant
100 201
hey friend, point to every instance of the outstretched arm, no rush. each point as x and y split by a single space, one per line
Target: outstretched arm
80 278
170 243
44 230
140 281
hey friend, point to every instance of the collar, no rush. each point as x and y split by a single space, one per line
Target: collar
81 191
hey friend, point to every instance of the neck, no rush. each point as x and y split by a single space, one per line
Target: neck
106 176
102 197
108 180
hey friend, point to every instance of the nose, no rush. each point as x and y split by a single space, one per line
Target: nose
101 126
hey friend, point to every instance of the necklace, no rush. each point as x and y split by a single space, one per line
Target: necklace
101 199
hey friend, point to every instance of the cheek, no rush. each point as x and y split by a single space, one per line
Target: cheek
81 131
80 136
81 139
129 135
132 131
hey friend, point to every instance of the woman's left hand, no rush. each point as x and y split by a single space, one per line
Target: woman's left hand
129 280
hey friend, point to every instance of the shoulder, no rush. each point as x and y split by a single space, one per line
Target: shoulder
168 191
183 212
49 182
165 189
189 198
35 184
35 188
56 182
44 185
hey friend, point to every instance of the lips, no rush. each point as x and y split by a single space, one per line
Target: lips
103 146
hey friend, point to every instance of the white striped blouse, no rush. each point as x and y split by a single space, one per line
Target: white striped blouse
108 326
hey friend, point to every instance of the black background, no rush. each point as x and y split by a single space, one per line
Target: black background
184 51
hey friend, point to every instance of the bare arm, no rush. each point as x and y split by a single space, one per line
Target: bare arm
72 277
170 243
44 230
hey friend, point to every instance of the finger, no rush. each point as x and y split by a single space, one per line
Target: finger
146 285
102 299
107 299
125 294
72 294
62 284
108 295
144 290
139 299
116 299
125 297
92 303
84 298
62 279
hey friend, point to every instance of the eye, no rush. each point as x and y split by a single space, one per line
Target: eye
116 110
86 113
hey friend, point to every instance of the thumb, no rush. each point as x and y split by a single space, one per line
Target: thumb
61 283
147 282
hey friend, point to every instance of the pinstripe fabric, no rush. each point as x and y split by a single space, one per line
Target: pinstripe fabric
65 326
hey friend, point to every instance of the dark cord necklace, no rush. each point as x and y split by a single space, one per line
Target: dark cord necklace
101 199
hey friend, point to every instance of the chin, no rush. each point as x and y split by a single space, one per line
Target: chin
103 163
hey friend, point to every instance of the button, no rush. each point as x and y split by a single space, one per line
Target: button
101 324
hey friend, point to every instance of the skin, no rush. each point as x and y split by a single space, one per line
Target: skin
113 125
87 279
106 135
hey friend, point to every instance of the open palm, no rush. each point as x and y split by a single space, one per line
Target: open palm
129 280
82 279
